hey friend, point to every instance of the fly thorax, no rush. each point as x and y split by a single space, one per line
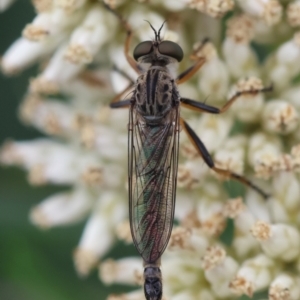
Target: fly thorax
155 94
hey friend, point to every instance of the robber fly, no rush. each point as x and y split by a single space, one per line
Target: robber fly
154 125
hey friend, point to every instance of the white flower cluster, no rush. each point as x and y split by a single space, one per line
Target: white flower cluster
77 43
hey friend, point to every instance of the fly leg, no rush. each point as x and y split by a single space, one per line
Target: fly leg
116 101
200 147
124 103
202 107
120 104
128 29
187 74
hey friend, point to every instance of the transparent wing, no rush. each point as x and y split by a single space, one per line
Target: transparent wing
153 161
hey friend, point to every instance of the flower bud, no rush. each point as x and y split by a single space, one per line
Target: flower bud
277 240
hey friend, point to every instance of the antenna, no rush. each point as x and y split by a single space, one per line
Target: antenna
157 35
161 29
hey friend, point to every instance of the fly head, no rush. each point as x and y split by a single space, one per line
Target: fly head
158 52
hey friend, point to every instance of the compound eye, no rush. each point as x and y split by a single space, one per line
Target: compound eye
142 49
171 49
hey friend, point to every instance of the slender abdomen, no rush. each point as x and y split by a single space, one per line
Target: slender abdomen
153 282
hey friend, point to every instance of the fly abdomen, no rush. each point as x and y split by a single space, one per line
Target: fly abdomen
152 283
